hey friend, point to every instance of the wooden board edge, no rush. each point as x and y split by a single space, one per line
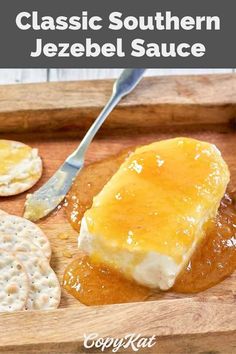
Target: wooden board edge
172 321
210 343
166 100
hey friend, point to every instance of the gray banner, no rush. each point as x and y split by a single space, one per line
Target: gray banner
33 47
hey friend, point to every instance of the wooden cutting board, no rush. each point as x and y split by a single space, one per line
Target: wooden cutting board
53 117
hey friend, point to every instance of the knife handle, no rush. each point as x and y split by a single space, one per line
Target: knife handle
127 81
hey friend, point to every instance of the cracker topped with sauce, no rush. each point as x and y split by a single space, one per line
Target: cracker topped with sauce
20 167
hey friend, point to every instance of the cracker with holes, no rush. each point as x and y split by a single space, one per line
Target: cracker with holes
14 283
19 234
20 167
45 290
14 243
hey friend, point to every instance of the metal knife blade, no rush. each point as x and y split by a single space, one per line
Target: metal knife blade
51 194
46 198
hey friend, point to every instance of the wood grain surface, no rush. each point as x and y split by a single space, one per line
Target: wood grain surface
201 323
181 326
70 106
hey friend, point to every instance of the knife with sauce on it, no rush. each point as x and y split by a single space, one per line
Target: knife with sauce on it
46 199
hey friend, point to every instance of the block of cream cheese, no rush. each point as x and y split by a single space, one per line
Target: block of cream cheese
149 217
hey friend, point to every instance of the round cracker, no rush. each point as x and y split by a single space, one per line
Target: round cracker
44 289
14 243
20 230
14 283
24 174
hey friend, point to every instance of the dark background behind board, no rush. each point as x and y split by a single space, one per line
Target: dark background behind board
16 44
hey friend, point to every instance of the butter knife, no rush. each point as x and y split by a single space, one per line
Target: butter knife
50 195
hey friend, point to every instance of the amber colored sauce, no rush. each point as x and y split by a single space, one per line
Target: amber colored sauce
89 183
215 257
11 156
94 284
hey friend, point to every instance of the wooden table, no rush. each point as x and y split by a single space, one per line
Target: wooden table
54 117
